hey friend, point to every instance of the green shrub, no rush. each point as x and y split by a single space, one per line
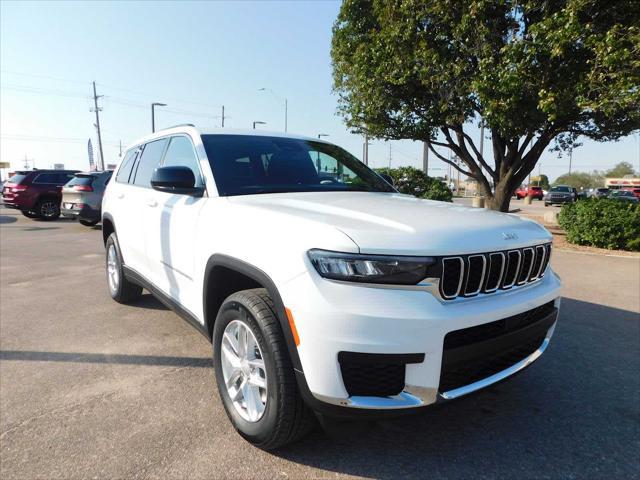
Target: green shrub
602 223
412 181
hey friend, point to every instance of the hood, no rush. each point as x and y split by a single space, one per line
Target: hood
385 223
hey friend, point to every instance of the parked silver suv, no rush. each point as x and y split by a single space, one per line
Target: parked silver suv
82 196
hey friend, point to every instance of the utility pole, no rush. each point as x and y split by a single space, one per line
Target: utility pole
570 159
120 154
222 116
425 157
97 109
365 150
286 113
389 155
27 160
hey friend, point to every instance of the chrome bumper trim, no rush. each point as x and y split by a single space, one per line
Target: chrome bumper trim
485 382
411 397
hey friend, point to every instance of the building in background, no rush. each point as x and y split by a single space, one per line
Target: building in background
625 182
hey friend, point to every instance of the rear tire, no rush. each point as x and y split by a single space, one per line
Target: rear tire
88 223
121 289
282 416
48 209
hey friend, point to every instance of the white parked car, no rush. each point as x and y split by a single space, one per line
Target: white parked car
322 289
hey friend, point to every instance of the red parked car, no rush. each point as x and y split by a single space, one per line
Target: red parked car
533 192
635 191
36 193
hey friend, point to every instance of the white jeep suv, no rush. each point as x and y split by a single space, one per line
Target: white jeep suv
322 289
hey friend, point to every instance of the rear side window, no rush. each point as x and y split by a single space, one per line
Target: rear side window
64 178
150 160
181 153
17 178
125 168
48 178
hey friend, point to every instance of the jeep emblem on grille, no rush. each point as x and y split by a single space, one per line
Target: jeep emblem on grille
509 236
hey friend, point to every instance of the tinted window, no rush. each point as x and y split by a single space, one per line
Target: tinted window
125 168
85 180
64 178
49 178
245 165
561 189
17 178
181 153
149 161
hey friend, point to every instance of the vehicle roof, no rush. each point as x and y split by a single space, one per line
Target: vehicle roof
43 170
221 131
94 174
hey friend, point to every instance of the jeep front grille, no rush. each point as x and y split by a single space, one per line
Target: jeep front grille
470 275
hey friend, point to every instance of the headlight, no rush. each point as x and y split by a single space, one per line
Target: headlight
353 267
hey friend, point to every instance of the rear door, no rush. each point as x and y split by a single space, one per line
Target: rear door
139 200
170 224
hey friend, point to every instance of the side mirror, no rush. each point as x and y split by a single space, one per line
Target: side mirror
387 178
176 179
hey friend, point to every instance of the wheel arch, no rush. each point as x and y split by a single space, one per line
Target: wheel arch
108 227
225 275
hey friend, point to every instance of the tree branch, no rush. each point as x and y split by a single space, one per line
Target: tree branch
446 160
479 156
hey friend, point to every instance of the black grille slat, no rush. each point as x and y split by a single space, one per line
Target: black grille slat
537 262
494 272
525 265
452 272
475 274
513 262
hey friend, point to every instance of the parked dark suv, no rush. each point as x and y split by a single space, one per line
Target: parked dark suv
36 193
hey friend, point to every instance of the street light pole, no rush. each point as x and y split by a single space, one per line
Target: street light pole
258 122
153 114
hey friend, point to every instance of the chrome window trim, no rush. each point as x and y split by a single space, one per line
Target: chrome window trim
504 261
484 269
526 278
451 297
515 277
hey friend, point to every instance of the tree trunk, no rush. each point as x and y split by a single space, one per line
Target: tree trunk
499 200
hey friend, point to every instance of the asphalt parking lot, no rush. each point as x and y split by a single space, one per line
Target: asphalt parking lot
91 388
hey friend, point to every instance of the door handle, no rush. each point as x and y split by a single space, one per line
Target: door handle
152 203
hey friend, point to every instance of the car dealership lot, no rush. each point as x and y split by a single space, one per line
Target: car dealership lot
91 388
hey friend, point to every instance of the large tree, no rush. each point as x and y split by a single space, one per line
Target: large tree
536 73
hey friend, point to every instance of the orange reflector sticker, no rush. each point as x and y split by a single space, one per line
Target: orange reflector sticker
292 324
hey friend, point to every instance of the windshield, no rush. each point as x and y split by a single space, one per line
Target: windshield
622 193
561 189
246 165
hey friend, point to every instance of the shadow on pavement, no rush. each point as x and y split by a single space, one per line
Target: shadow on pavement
112 359
7 219
148 301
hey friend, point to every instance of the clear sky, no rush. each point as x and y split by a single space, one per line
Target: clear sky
195 57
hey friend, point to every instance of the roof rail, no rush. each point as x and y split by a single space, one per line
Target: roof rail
179 125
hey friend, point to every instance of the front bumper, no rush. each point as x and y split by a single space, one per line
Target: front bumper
558 201
336 317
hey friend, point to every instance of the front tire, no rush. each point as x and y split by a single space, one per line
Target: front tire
29 214
120 289
257 385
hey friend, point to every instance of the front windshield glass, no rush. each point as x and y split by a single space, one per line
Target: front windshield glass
561 189
246 165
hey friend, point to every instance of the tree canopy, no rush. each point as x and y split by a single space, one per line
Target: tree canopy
620 170
534 72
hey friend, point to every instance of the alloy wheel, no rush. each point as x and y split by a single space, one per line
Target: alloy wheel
244 372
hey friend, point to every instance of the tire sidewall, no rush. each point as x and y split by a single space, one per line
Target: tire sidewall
113 240
260 431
